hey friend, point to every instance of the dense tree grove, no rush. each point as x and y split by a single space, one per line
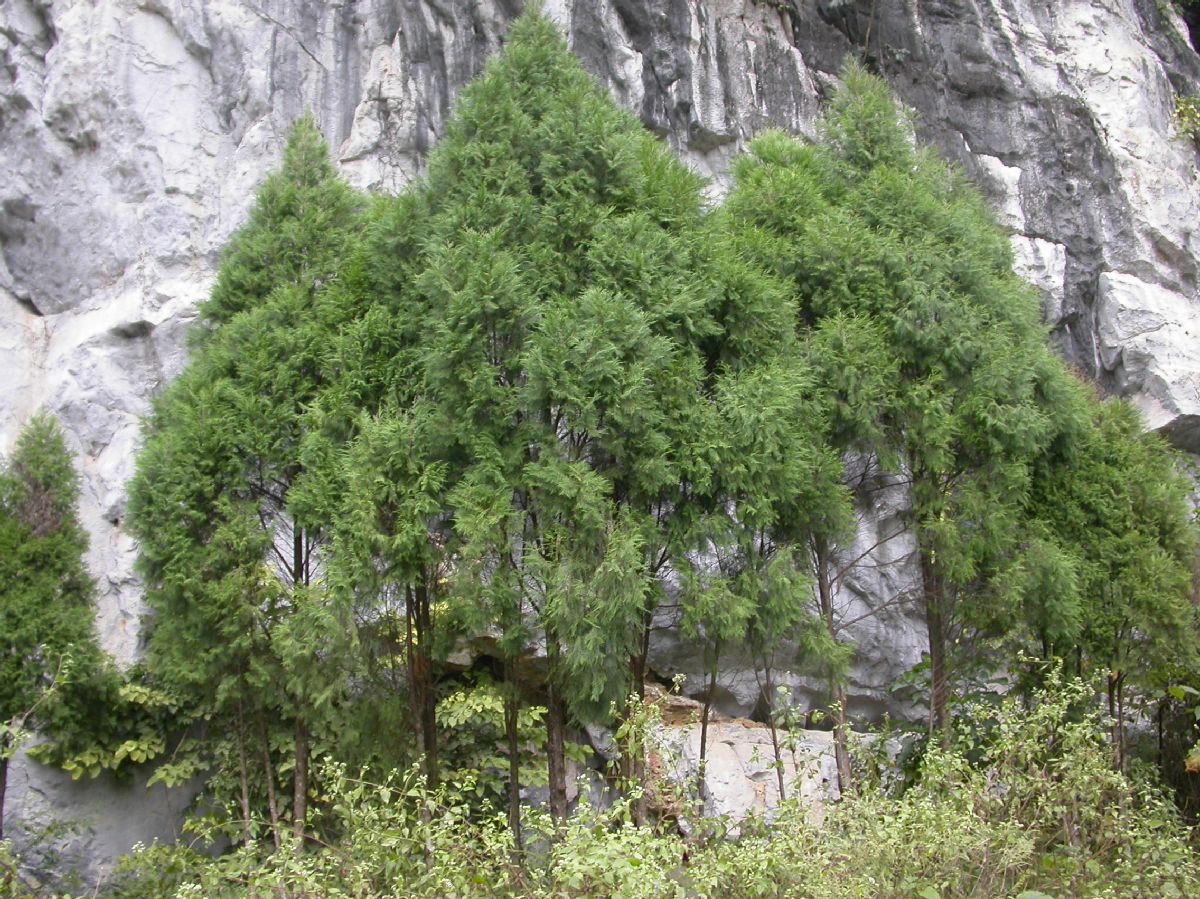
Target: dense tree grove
549 398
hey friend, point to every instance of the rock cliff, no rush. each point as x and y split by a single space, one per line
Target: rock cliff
134 132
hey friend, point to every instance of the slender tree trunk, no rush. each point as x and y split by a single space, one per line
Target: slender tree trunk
420 691
1116 711
841 729
428 699
243 778
3 790
837 692
1124 766
410 673
704 715
300 786
300 776
935 623
634 755
416 658
511 720
769 699
637 663
299 575
1162 761
269 776
1112 714
556 725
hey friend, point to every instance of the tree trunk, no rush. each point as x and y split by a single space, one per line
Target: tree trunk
840 749
421 699
299 568
1124 756
822 553
243 778
935 623
769 699
634 754
1116 711
704 715
410 672
3 789
556 725
300 786
269 776
1161 727
428 697
300 776
511 719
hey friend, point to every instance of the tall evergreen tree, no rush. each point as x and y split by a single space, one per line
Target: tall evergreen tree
563 292
1113 540
853 374
232 570
45 589
867 225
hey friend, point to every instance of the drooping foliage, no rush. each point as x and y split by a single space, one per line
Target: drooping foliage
548 416
1112 541
865 225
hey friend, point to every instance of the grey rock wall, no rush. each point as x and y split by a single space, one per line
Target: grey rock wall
133 134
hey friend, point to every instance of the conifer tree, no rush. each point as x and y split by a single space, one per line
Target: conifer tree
232 570
1113 542
45 589
867 225
852 377
563 296
778 484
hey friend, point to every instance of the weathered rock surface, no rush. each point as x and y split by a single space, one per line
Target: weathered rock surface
86 827
741 775
133 134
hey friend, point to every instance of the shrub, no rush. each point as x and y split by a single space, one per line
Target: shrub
1187 116
1028 805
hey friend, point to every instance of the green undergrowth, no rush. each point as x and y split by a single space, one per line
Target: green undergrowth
1024 804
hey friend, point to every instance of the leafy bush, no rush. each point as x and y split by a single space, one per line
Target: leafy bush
1028 805
1041 813
1187 116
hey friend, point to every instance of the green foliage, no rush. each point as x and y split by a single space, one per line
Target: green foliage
297 233
865 225
1031 808
471 720
1187 117
45 590
233 572
1120 507
544 388
1041 810
48 651
562 357
118 720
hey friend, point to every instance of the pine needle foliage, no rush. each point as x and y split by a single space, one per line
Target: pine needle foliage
45 589
864 224
232 570
544 418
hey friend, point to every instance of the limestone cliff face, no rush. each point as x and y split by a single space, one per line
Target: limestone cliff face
133 134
